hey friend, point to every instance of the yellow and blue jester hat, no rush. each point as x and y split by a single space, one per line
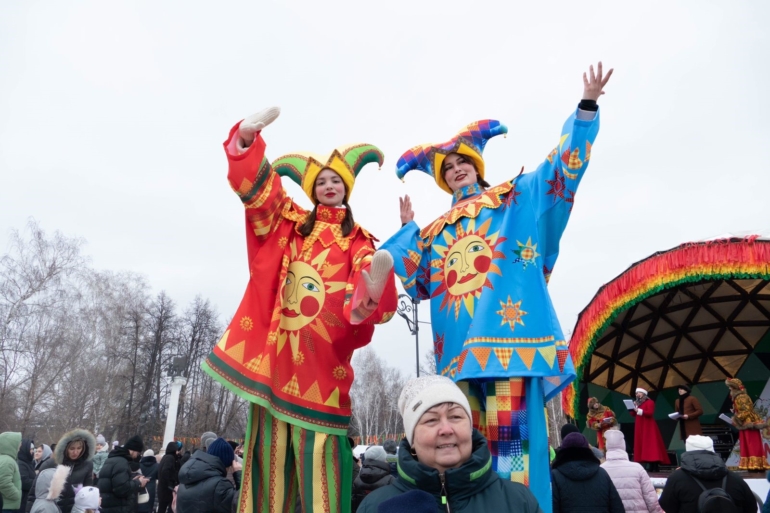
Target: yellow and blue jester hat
347 161
470 141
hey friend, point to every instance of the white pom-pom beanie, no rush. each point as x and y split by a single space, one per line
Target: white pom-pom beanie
421 394
699 443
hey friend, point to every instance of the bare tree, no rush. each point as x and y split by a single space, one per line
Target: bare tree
374 395
87 348
34 277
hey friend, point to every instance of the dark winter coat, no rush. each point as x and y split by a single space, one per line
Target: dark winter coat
580 485
681 493
392 460
27 472
204 487
373 475
168 473
148 465
82 468
116 486
471 488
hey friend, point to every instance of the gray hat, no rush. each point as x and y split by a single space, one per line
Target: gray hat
207 438
376 453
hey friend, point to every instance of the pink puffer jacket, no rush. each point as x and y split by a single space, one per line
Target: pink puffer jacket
632 482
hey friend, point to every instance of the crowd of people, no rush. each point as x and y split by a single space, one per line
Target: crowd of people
442 464
82 473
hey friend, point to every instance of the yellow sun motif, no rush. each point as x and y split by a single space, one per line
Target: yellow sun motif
272 338
465 264
246 323
511 313
298 358
339 372
282 242
308 280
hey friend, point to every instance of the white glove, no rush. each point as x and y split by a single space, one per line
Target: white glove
377 276
254 123
640 411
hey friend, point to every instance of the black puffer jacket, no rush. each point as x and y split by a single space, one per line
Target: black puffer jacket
27 471
168 473
204 487
374 474
681 493
148 465
117 488
82 468
580 485
472 488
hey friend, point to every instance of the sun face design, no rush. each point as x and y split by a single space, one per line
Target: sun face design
303 294
465 264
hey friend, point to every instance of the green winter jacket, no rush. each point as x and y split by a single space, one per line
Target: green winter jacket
10 479
473 487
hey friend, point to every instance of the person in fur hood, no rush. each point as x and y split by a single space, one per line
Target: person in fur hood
601 419
75 449
49 486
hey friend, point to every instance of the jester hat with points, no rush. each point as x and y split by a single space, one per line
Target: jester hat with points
470 141
346 161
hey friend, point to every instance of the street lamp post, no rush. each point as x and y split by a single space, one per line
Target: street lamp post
178 380
407 309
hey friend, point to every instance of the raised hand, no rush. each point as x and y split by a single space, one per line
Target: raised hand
407 214
593 83
256 122
378 274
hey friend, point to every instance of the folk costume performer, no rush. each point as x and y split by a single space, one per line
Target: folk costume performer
317 289
485 265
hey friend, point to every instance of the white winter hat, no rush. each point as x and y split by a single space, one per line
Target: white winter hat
87 498
422 394
101 440
616 440
642 391
699 443
149 452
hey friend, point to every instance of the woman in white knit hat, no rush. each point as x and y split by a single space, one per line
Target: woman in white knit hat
444 456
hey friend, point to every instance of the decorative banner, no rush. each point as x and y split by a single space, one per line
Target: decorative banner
377 439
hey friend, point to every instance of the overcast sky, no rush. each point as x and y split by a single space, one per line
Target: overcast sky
112 116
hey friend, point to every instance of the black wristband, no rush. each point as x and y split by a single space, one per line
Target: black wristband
589 105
